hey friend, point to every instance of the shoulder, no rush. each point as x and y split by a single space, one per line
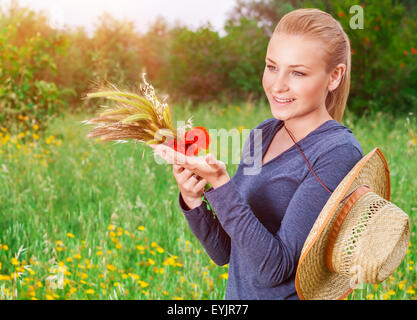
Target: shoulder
334 152
336 140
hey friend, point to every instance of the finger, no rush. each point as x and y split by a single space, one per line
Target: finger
201 184
185 176
177 169
170 155
211 160
194 184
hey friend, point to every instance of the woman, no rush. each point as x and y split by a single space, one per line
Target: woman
262 220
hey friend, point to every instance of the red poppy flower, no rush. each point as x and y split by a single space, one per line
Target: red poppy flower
198 136
193 142
413 50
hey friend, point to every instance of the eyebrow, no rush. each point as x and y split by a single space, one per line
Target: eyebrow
293 65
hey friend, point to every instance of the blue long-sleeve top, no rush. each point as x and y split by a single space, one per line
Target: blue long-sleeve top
262 220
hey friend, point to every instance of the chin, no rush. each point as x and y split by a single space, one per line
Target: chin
280 115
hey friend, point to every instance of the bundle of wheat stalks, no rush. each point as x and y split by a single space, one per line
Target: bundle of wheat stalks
134 117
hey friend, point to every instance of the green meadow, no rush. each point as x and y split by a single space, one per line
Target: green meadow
85 220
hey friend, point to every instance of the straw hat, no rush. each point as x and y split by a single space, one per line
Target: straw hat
358 237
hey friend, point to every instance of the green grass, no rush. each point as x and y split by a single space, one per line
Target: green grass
71 208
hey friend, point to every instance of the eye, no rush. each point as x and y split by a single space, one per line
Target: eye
299 74
270 67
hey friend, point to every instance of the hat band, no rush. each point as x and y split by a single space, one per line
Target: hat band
352 198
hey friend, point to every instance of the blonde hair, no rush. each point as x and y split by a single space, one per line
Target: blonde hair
322 26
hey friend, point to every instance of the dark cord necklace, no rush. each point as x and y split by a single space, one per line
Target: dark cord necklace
293 139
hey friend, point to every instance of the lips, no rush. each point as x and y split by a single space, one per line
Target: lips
283 100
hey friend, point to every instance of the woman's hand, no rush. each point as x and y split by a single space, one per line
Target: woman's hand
207 167
191 186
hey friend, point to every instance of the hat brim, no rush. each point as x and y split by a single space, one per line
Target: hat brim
313 280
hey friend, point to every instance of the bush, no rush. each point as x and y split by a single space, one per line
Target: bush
23 95
384 56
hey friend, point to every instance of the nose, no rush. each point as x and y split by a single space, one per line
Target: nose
280 84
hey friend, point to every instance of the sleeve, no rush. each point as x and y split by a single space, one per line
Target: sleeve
206 228
274 257
208 231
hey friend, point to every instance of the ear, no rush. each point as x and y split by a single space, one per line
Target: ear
336 77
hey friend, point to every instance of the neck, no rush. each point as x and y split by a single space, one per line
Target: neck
300 127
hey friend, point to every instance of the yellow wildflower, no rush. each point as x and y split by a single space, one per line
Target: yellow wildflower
141 228
111 267
90 291
224 276
160 250
70 235
410 290
15 262
143 284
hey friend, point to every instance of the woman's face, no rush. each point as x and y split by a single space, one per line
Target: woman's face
295 70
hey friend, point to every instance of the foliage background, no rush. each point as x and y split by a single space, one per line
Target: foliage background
44 71
67 207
